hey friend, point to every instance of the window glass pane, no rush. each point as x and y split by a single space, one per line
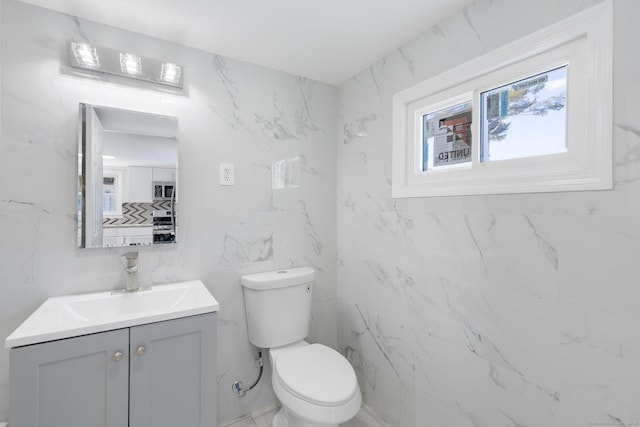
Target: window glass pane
446 137
525 118
109 194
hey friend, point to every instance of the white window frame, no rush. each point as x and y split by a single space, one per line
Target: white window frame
118 175
583 42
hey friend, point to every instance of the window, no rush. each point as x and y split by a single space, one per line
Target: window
533 116
526 118
446 139
112 193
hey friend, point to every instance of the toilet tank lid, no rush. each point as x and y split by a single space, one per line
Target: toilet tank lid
278 278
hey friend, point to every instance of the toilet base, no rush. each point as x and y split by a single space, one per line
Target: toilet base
285 418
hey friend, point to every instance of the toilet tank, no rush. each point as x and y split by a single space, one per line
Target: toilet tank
278 306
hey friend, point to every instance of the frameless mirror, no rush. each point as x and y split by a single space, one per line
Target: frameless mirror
127 178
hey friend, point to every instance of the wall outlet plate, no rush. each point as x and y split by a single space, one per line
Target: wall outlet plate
227 174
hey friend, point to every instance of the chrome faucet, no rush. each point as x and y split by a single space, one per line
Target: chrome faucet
132 271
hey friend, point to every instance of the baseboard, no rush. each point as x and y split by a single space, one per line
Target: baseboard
370 412
251 415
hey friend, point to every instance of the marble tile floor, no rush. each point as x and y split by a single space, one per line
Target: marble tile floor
264 417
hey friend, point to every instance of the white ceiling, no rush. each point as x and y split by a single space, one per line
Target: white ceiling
325 40
138 139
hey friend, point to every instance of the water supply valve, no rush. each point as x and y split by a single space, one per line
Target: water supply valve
238 388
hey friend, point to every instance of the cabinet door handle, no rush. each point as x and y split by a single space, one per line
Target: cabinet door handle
140 350
117 356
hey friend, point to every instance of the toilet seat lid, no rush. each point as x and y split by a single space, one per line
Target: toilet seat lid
317 374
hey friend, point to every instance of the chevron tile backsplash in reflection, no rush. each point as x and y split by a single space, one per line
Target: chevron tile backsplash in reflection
137 213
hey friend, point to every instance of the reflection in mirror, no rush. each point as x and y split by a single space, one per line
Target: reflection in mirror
127 175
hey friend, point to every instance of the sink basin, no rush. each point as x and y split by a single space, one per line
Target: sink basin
104 307
73 315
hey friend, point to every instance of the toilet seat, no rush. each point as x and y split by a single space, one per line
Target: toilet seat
316 374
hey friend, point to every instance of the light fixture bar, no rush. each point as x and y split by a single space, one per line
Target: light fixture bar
93 58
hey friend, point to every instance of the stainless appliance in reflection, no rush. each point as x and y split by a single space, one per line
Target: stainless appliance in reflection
164 220
163 190
164 229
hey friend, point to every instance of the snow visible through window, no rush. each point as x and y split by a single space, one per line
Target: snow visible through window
525 118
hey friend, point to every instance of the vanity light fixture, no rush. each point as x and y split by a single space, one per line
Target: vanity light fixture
131 64
85 54
93 58
170 73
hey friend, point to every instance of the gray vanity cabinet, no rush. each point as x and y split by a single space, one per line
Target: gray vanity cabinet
71 382
158 374
173 382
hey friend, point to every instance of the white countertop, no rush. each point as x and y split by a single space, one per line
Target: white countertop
74 315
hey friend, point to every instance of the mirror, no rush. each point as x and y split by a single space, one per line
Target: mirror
127 178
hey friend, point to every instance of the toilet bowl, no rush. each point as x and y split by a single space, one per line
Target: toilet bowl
316 385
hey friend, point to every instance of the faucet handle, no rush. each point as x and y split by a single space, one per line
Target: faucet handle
132 271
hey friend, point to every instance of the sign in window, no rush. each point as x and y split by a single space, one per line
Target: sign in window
446 137
526 118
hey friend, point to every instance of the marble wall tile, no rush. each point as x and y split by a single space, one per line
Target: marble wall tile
230 111
487 310
478 311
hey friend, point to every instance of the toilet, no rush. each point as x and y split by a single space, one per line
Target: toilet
316 385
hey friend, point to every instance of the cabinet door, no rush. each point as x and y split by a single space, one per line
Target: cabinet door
71 382
139 186
173 374
164 174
